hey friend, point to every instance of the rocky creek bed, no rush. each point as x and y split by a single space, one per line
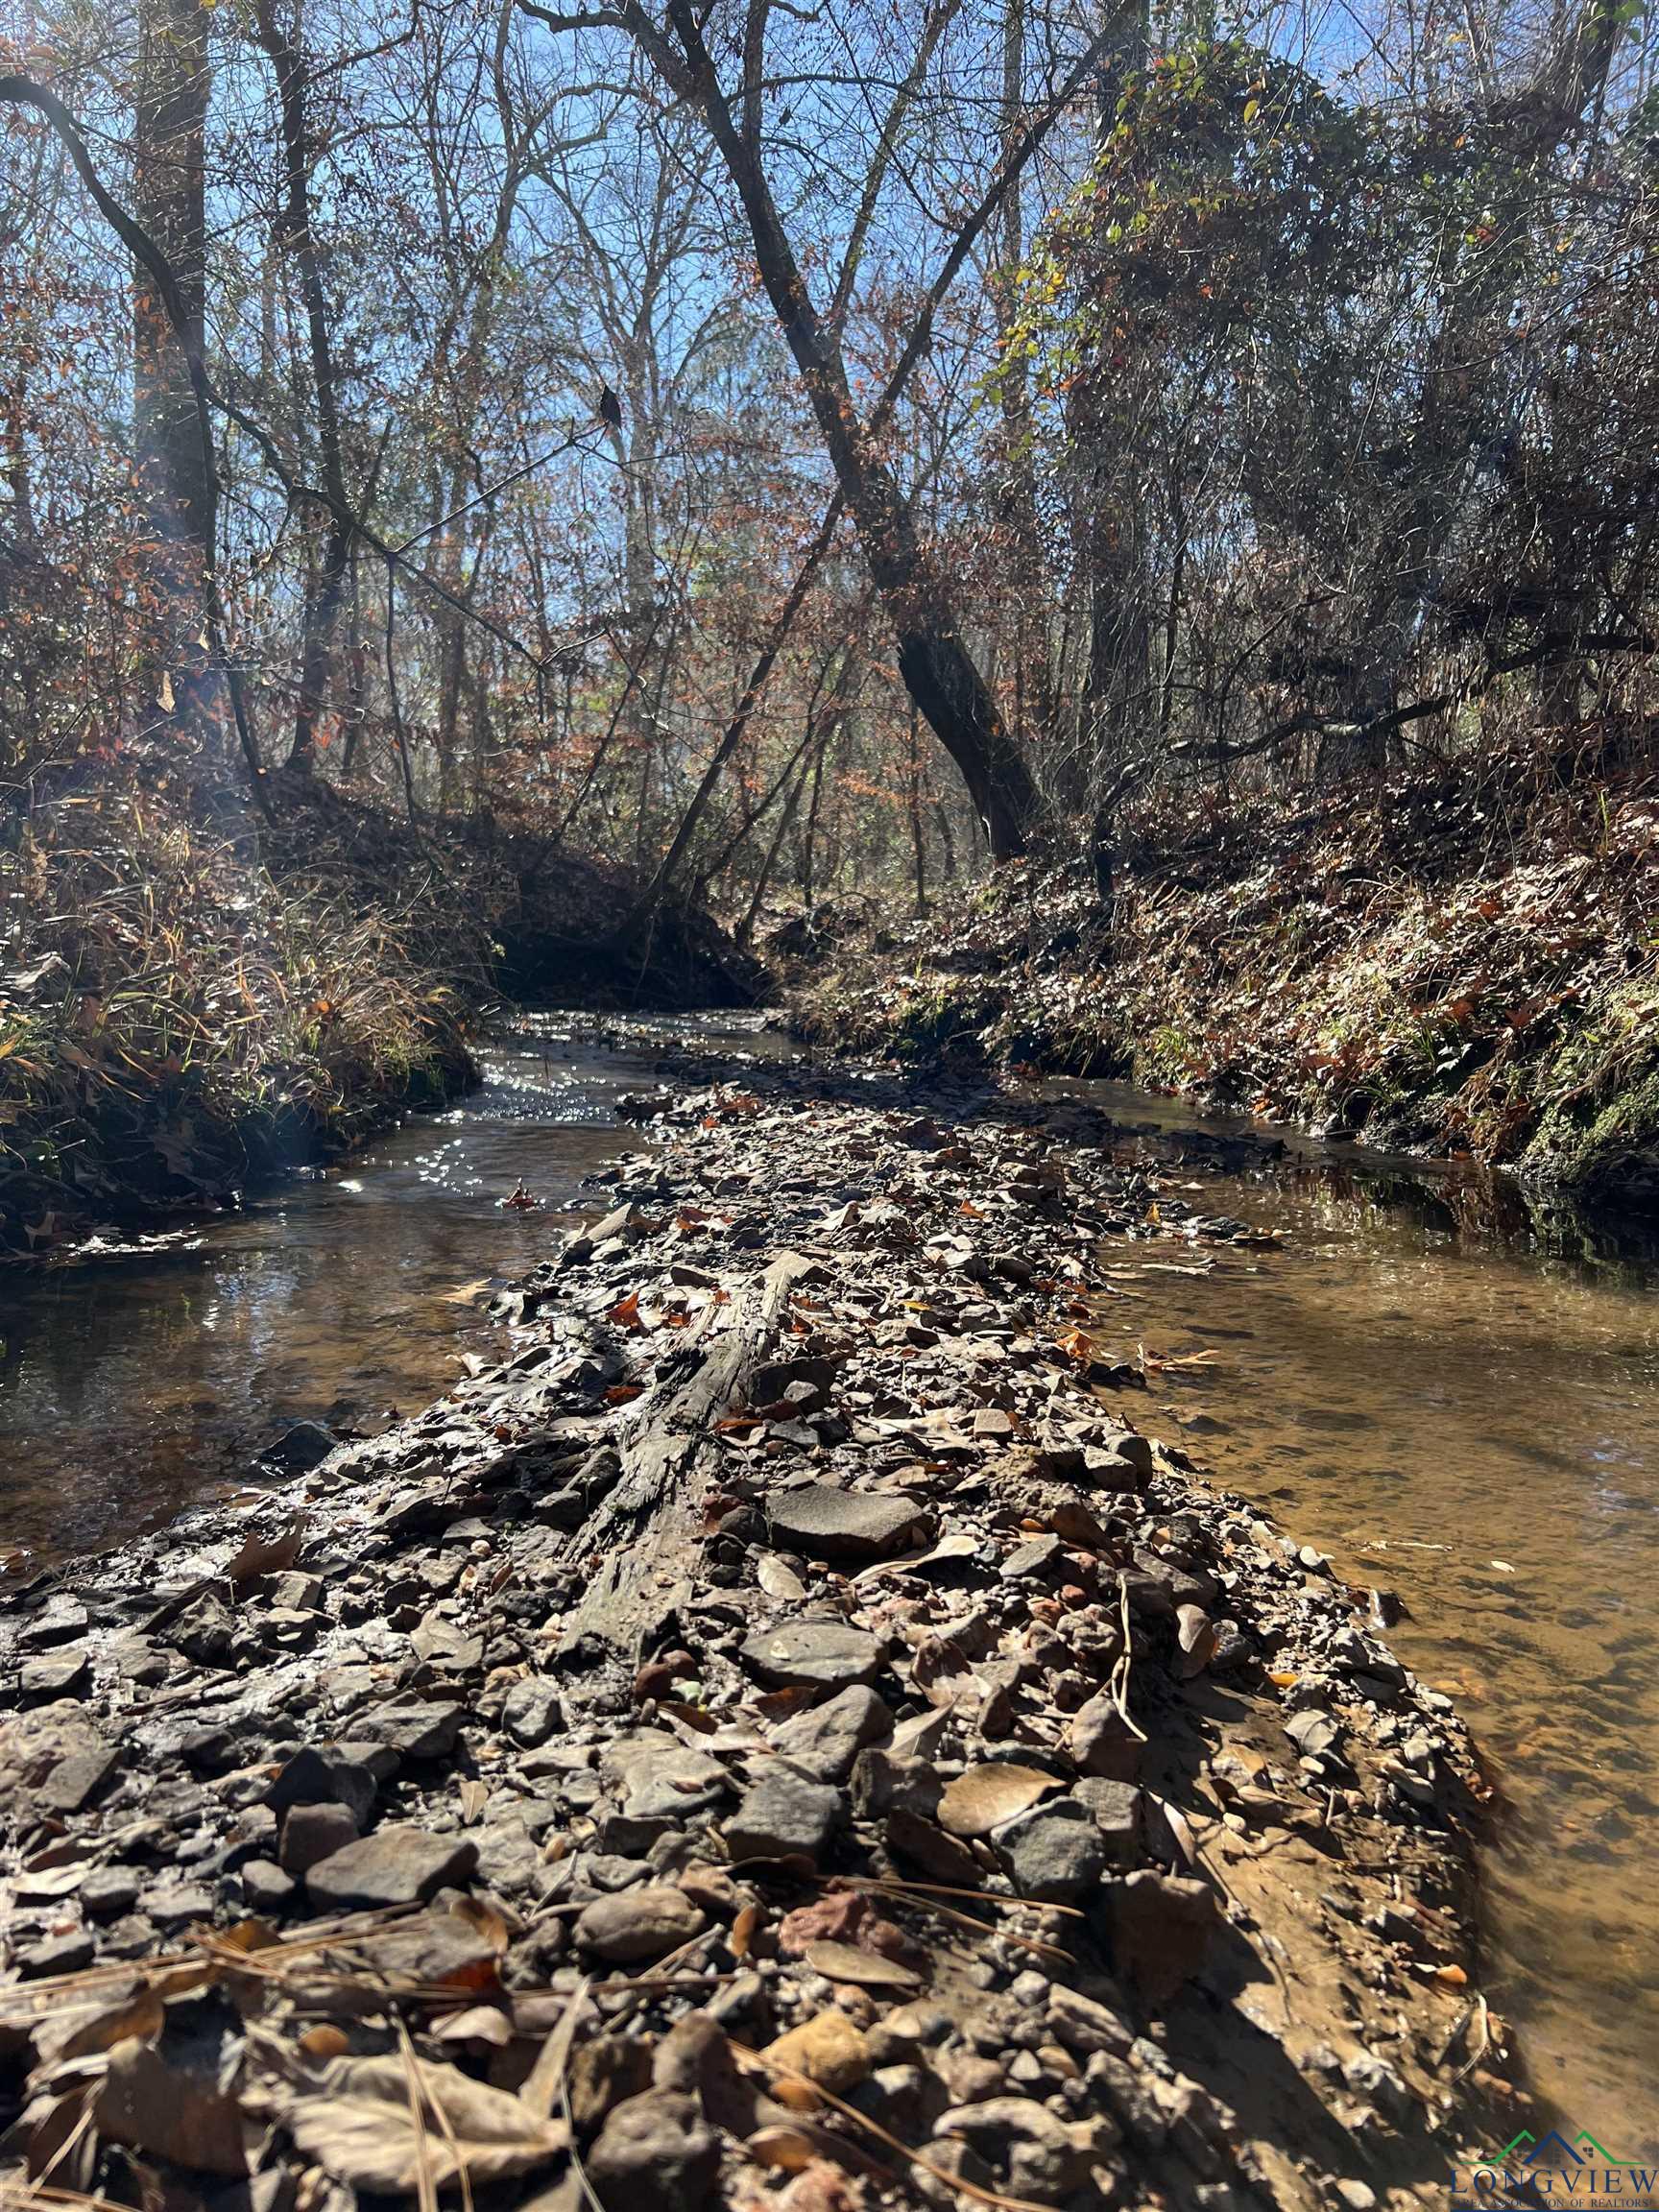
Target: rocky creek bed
783 1736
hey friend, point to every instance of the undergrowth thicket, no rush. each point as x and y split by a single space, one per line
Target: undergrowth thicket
1461 964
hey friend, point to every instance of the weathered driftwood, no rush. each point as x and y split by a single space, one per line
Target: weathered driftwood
642 1545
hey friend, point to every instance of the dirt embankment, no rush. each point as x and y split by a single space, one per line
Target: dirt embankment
1467 965
185 1012
782 1736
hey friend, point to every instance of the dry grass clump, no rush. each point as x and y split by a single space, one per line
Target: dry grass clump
173 1019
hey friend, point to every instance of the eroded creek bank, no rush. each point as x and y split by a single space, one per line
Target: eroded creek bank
783 1733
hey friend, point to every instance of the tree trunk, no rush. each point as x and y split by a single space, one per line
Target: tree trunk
918 841
169 196
1033 690
785 820
325 599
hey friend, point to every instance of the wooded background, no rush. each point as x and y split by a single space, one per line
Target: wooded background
786 446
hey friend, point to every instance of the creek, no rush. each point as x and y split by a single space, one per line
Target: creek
1458 1400
1459 1405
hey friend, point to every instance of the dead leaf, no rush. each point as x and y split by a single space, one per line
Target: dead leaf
49 1883
355 2122
484 1921
1196 1633
478 2024
150 2106
797 2096
990 1794
58 2140
960 1546
777 1579
1168 1833
542 2090
248 1935
785 2150
131 2008
266 1555
864 1969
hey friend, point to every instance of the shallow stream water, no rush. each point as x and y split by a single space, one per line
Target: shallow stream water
1460 1412
1463 1409
133 1387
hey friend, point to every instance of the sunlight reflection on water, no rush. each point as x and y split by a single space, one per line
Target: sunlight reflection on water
130 1388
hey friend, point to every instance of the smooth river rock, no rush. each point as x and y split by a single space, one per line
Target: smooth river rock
826 1652
638 1924
829 1523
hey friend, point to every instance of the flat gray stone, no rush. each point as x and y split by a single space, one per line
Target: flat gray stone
443 1643
657 1786
829 1522
419 1730
60 1621
509 1860
264 1886
1115 1807
1313 1733
1102 1741
784 1816
392 1867
109 1891
55 1954
655 2153
177 1903
1125 1462
1029 1561
76 1779
531 1712
300 1449
313 1833
825 1652
1054 1854
826 1738
325 1775
66 1674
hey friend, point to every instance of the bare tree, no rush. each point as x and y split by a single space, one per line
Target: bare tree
934 660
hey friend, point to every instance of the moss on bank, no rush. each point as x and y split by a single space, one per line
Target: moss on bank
1599 1131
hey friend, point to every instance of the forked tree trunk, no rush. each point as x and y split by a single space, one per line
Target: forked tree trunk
937 668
